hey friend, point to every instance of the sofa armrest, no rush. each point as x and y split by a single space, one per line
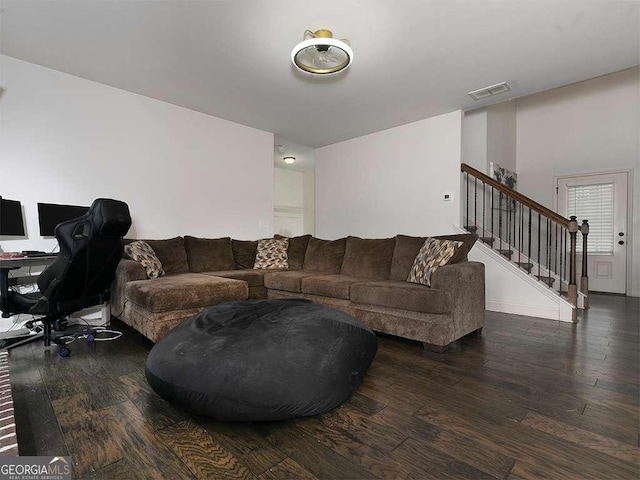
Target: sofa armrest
127 271
465 282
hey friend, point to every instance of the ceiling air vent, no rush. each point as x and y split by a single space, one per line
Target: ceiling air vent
491 90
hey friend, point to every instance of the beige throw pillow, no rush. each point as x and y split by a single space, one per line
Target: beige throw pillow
434 253
272 254
142 253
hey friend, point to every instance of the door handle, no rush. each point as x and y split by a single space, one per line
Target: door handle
621 242
621 234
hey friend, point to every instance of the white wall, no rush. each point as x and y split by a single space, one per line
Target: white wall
309 201
287 189
587 127
489 135
474 139
501 134
391 181
67 140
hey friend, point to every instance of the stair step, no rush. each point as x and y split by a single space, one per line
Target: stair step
526 266
487 240
506 253
546 279
471 228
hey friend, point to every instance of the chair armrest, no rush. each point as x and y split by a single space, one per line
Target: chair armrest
127 271
465 282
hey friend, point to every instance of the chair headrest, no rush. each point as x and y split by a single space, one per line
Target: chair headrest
111 218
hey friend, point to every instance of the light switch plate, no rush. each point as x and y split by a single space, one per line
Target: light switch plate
447 196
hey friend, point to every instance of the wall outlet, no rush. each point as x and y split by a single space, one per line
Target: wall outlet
447 196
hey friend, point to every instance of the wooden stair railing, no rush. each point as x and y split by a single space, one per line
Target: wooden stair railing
537 239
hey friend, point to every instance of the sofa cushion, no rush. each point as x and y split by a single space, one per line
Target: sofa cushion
334 286
433 254
244 253
142 253
171 253
402 295
208 254
368 258
272 254
296 251
254 278
404 253
406 249
183 291
325 255
290 281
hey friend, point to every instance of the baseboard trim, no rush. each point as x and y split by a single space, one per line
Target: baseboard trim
551 313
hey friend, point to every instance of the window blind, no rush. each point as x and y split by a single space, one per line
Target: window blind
594 203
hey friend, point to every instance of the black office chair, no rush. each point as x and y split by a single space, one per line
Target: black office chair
81 275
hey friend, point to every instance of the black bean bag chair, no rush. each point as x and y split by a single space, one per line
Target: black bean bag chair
258 360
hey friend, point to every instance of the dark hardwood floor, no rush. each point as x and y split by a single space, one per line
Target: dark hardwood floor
530 398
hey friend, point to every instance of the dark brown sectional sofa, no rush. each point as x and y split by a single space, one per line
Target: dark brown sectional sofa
365 278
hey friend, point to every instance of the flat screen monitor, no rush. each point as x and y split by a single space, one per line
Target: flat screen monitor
11 222
51 214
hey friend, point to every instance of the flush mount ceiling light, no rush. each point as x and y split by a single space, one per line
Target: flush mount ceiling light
289 160
321 54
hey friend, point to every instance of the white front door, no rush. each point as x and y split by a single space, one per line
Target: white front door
602 200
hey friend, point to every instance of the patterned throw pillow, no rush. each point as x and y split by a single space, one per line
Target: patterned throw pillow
272 253
142 253
434 253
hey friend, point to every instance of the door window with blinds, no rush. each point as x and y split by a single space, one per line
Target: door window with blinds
595 203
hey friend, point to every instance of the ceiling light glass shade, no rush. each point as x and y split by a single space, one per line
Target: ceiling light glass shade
289 160
321 54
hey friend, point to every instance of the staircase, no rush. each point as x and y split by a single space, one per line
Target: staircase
533 239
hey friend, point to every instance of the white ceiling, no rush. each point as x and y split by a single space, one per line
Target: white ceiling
413 58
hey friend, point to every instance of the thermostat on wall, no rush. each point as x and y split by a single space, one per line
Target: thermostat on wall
447 196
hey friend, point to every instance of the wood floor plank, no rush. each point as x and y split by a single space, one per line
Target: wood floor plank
431 463
321 461
144 447
157 411
537 448
584 438
87 435
287 469
343 442
205 457
256 453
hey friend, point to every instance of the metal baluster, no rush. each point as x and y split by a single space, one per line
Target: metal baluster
500 219
561 273
549 251
492 213
539 238
467 219
529 241
520 236
475 203
555 254
484 201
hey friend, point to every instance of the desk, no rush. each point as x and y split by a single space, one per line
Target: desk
8 264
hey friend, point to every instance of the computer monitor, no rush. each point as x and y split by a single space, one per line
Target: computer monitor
51 214
11 221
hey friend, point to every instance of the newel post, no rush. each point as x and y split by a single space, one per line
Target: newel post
572 289
584 280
